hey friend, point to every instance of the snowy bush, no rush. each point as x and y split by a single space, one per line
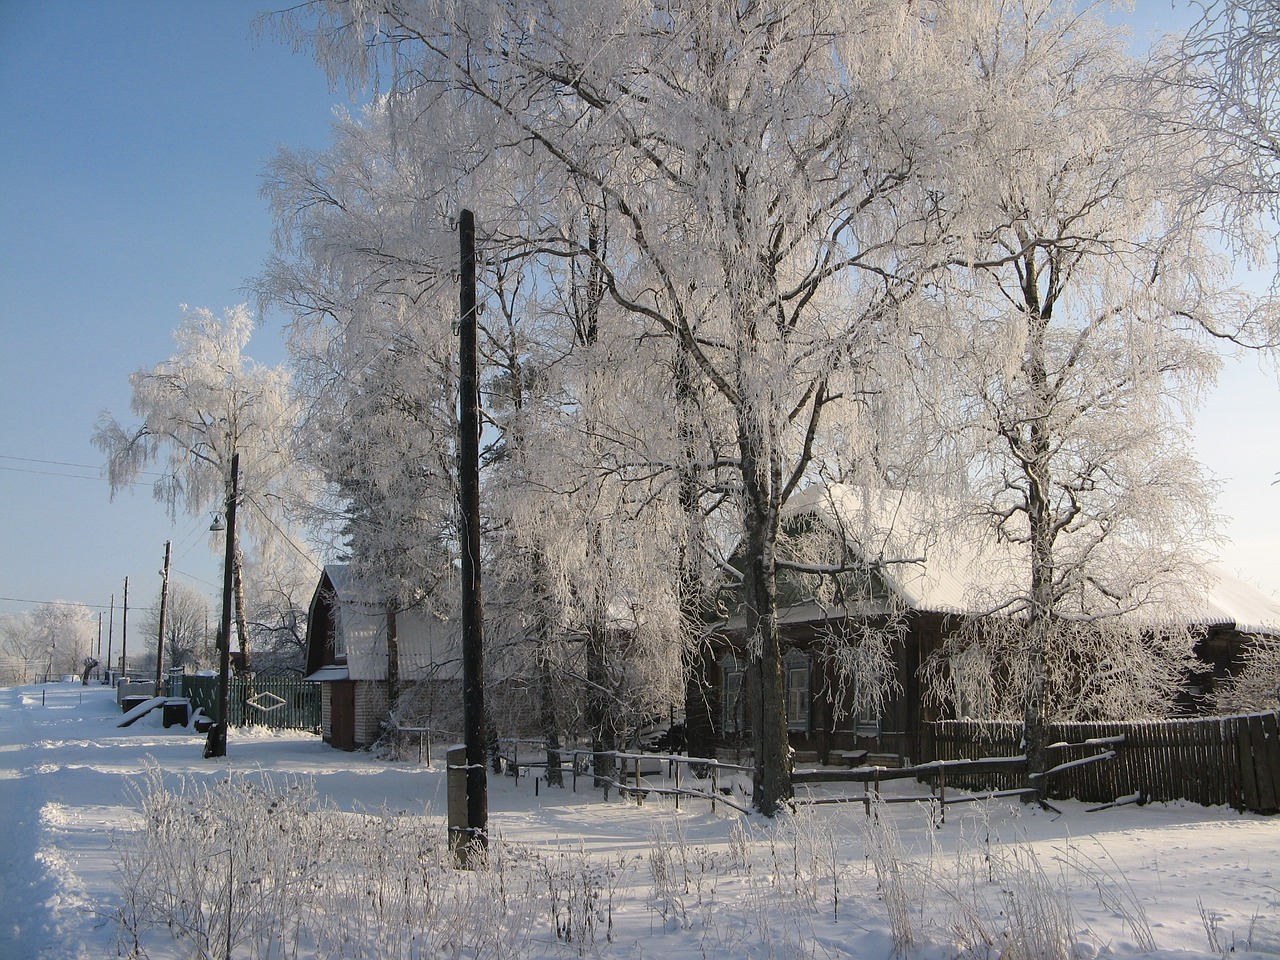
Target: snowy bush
257 867
1256 687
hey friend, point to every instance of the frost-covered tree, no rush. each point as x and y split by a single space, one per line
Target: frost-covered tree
21 647
583 483
188 643
765 161
1227 69
195 411
1256 688
1089 293
368 279
46 642
278 615
365 271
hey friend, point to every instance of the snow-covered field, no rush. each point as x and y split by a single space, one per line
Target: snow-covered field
335 854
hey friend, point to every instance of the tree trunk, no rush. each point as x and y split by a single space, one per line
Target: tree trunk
1036 457
699 726
761 474
242 619
599 713
393 656
547 720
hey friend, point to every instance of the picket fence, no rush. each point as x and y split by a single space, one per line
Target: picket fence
1232 761
283 703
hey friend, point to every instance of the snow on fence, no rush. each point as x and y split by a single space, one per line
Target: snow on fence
283 703
1211 760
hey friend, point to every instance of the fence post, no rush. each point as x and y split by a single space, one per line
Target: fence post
942 790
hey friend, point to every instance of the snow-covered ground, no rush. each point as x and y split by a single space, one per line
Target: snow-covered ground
574 874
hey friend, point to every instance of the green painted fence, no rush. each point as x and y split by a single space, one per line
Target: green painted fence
285 704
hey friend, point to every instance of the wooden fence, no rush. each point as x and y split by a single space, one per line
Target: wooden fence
282 703
1210 761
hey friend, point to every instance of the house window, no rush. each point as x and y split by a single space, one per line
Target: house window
339 635
859 699
796 666
973 688
731 703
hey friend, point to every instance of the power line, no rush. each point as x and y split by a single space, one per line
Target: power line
72 476
192 576
51 473
55 463
57 603
287 539
64 463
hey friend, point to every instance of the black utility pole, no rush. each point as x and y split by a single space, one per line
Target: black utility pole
111 625
216 743
473 719
164 604
124 632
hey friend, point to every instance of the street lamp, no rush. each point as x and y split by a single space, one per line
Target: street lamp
216 744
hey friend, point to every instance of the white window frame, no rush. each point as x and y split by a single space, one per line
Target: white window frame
734 677
799 686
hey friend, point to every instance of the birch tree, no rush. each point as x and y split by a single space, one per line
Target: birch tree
766 161
197 409
1090 294
1227 69
357 262
187 643
48 641
583 493
1256 688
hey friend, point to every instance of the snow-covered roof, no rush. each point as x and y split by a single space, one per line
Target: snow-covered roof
938 556
1230 601
428 645
329 674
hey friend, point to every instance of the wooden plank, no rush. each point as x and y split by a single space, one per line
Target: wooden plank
1214 768
1201 767
1231 753
1151 782
1248 776
1138 780
1196 769
1174 759
1189 762
1206 766
1111 777
1261 768
1270 724
1179 759
1173 753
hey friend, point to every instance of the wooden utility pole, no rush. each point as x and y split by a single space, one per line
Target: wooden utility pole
111 624
473 715
164 603
124 632
216 743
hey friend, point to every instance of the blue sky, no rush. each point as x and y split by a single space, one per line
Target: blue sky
133 134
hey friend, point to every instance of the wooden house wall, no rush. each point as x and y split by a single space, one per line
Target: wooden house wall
831 729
